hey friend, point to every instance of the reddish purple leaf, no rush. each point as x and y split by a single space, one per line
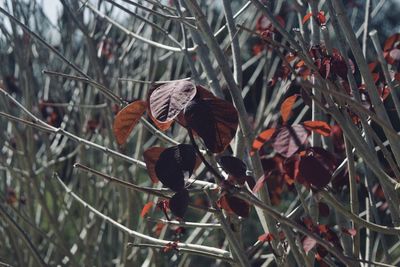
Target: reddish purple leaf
289 139
235 205
393 56
391 41
260 183
338 65
308 244
264 24
168 100
213 119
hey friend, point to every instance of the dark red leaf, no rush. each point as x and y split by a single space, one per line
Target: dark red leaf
92 125
350 231
391 41
275 184
257 49
306 17
372 65
332 237
321 253
264 24
352 66
286 107
314 172
325 67
273 164
232 204
250 181
282 235
393 56
267 237
172 165
171 246
179 202
168 100
234 166
213 119
323 209
261 139
306 98
337 138
326 158
146 208
308 222
151 156
320 127
11 196
375 77
397 76
384 92
322 228
158 228
163 205
126 119
291 169
338 65
289 139
321 18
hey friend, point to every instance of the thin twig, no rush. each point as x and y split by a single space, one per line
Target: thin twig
152 191
188 224
152 240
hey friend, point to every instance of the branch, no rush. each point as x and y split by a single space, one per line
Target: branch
375 227
23 235
152 240
188 224
185 250
157 192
